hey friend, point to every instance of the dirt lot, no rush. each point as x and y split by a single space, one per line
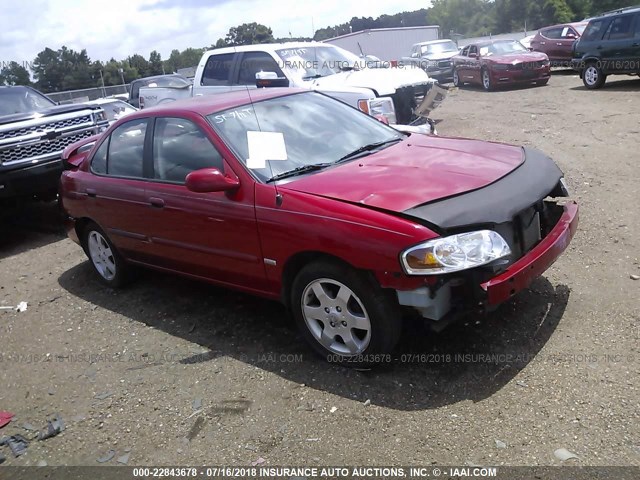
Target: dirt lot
176 372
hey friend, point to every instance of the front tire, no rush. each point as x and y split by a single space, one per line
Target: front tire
345 315
111 268
456 79
487 84
593 77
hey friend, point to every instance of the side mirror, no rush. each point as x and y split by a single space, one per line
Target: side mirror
473 55
270 79
571 36
210 180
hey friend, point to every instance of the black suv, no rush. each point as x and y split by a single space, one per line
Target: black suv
610 45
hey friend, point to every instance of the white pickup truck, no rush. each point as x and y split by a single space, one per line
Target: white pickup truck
402 95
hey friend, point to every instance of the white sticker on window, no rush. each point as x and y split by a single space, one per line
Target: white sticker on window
265 146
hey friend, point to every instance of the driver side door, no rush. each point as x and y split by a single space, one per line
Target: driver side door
210 235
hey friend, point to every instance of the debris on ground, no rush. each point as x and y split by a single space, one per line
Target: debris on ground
42 463
16 443
28 427
53 428
258 461
500 444
197 404
21 307
634 277
124 459
196 428
333 409
5 418
103 396
520 383
367 402
564 454
107 456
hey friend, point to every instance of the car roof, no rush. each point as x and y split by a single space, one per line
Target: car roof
431 42
568 24
208 104
153 77
491 42
630 9
269 47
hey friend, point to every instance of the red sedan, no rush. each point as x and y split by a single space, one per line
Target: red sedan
298 197
500 62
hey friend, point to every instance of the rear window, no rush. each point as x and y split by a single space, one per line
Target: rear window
594 30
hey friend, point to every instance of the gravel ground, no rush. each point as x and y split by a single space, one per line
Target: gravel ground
169 371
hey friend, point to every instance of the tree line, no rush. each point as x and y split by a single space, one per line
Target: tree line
67 69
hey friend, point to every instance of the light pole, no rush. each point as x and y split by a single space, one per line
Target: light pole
104 93
121 70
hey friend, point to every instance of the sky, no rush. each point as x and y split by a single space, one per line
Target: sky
119 28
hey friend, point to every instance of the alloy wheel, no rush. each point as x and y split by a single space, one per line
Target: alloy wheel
101 255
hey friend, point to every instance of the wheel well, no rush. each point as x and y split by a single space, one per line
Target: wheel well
296 263
81 224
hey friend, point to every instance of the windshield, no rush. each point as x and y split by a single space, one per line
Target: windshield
315 62
439 48
580 29
502 48
22 100
316 130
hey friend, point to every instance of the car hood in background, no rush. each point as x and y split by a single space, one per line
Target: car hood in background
513 58
416 171
385 81
46 112
440 56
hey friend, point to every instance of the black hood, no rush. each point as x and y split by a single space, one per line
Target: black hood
46 112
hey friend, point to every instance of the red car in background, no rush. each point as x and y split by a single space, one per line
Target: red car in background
298 197
500 62
557 42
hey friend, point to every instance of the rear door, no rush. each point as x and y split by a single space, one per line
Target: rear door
216 75
115 189
473 65
250 63
211 235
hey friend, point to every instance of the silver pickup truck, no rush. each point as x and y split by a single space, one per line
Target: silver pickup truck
434 57
34 131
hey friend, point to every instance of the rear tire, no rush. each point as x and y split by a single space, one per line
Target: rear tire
111 268
593 76
344 314
542 83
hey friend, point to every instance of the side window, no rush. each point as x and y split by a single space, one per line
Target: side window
254 62
594 30
99 160
179 148
552 32
473 49
465 51
217 70
621 27
637 29
126 149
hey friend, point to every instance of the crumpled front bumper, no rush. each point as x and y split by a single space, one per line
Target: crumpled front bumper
521 273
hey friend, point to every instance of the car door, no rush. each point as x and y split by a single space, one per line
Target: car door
618 50
211 235
251 63
549 42
473 65
459 63
635 45
216 75
115 188
564 45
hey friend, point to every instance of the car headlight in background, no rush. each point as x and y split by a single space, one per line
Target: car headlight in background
379 106
454 253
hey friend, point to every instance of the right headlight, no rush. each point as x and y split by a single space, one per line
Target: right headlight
379 106
454 253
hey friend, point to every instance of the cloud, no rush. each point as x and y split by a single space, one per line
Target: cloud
166 4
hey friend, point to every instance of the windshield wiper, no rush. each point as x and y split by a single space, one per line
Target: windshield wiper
367 148
299 171
311 77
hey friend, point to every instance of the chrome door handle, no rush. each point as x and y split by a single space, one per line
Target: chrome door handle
156 202
91 192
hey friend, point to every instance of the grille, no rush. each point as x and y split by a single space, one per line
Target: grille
444 64
60 124
25 152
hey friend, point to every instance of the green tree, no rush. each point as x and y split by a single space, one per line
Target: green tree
140 64
249 34
155 63
14 74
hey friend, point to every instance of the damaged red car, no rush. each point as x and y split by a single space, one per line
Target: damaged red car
297 197
495 63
